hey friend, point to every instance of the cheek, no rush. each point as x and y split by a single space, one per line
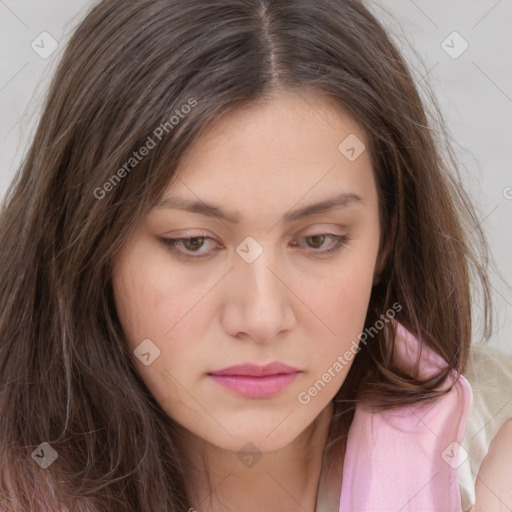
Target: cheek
159 302
340 303
152 297
341 315
153 306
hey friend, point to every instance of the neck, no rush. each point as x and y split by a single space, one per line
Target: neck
294 477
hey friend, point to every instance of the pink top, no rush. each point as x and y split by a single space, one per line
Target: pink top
406 459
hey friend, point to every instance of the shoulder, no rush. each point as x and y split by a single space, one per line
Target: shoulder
489 429
493 491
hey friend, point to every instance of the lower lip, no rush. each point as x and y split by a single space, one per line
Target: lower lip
256 387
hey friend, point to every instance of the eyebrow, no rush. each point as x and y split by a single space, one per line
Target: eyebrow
342 200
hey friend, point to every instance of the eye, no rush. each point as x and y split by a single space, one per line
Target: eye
192 245
318 239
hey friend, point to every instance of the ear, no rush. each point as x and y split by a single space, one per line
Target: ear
385 252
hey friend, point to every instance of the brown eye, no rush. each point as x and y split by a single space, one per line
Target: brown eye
196 242
188 247
317 240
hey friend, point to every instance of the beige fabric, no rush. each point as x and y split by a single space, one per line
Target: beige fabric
490 376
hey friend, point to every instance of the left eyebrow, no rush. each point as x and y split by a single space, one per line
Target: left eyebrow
342 200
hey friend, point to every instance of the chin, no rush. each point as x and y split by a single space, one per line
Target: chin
258 437
254 443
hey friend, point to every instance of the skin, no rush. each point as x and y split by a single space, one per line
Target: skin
493 492
291 304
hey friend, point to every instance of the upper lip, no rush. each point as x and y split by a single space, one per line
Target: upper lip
256 370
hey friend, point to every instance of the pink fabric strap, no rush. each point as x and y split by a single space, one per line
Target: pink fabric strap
406 459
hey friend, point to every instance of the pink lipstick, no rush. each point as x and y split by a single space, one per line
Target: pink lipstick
255 381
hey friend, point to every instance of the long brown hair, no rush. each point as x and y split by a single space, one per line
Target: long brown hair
127 74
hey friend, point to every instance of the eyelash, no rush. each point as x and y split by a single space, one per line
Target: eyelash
171 244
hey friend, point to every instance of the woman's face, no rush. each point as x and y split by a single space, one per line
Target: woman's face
256 282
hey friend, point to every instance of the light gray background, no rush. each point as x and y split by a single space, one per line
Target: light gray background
474 91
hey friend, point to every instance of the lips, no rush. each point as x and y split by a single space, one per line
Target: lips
255 370
254 381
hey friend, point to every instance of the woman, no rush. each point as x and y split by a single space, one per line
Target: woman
232 250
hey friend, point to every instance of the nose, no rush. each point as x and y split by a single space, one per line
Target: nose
259 300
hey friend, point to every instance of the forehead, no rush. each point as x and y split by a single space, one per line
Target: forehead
272 154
